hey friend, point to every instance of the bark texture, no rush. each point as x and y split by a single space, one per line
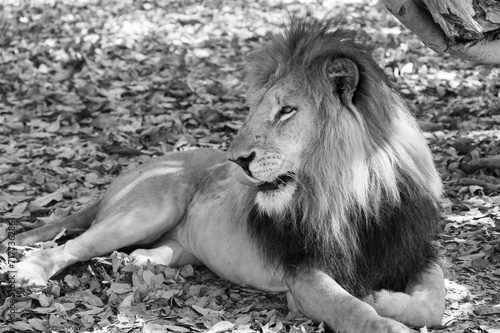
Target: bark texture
466 28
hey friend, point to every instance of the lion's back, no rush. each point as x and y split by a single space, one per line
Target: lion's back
179 174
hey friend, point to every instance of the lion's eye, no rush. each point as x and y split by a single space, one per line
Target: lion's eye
287 111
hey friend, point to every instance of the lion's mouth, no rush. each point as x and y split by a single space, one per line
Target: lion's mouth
281 181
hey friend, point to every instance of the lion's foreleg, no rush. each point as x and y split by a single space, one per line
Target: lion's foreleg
422 303
322 299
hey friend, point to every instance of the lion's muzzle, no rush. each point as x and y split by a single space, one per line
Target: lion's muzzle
246 178
243 161
243 173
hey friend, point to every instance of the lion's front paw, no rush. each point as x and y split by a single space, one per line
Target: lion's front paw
30 274
140 257
386 325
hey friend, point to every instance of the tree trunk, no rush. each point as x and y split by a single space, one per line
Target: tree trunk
466 28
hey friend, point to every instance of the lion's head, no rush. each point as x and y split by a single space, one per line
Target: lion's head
272 143
335 155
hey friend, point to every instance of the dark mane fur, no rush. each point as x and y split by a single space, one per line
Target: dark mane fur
376 233
390 253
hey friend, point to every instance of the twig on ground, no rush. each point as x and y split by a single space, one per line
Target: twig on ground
483 184
481 163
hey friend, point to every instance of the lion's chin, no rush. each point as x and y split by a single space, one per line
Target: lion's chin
277 198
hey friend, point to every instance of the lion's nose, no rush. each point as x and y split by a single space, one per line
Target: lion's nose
244 162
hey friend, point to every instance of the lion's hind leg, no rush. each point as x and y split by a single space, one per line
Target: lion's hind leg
422 303
79 220
117 229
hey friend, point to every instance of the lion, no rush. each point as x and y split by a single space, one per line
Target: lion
328 193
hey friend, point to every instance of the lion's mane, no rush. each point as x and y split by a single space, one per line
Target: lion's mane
366 210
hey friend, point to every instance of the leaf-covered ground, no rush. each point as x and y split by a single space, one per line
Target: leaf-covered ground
92 88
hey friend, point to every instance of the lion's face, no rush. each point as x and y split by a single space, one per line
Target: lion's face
269 146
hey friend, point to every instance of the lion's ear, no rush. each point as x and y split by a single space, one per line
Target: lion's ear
344 75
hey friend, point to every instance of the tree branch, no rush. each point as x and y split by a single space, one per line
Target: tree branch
423 24
419 21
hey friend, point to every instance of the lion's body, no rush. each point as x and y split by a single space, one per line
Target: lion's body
335 195
187 201
206 224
